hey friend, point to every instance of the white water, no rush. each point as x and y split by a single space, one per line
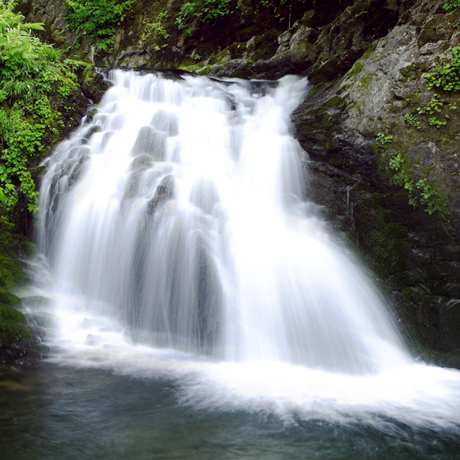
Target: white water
185 235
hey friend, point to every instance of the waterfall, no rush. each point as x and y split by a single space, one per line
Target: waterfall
177 210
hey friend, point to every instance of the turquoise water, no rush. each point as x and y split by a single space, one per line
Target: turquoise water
59 412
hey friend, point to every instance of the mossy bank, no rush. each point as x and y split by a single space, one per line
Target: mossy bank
42 98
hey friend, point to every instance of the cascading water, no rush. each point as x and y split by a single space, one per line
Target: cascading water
183 212
179 241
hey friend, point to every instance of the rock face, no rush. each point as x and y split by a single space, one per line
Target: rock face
384 148
376 146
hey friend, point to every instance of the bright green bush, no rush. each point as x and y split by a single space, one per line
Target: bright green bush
202 10
97 18
451 5
30 71
447 75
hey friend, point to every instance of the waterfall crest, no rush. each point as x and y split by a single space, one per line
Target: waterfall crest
178 211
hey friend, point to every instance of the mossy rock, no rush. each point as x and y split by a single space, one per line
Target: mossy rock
11 315
17 344
11 274
6 298
13 326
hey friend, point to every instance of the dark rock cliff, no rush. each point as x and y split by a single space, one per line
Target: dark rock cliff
383 147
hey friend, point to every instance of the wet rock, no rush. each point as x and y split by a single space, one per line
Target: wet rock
105 139
150 142
142 162
117 122
165 122
6 298
42 319
204 195
87 136
77 170
16 340
132 185
338 125
92 339
164 192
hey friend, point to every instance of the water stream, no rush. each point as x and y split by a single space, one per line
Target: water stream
181 262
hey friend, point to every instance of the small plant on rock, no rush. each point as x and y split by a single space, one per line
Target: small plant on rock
97 18
452 4
447 76
383 138
412 121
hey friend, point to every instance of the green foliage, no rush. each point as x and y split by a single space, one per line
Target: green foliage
29 71
429 196
155 30
452 4
383 138
402 174
447 76
412 121
97 18
433 107
202 10
433 121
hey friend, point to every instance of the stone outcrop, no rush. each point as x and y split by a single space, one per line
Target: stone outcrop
374 151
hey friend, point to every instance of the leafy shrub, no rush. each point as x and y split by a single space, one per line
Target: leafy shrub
447 76
428 195
30 71
155 30
452 4
383 138
202 10
97 18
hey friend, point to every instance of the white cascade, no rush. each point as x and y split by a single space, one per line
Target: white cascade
178 212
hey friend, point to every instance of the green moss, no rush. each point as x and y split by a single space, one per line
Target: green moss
11 315
365 81
413 71
355 70
414 99
359 64
14 333
6 298
368 53
316 89
335 101
28 249
359 6
236 50
205 71
422 190
11 274
382 240
13 326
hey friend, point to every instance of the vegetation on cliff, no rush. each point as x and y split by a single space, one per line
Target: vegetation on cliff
97 18
31 74
40 100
